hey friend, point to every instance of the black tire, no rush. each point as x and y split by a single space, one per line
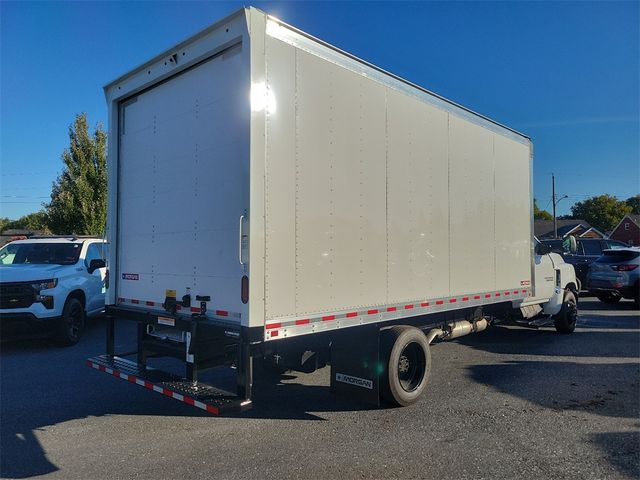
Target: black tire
609 298
566 320
71 324
407 357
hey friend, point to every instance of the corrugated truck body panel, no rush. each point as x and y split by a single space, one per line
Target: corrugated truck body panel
380 197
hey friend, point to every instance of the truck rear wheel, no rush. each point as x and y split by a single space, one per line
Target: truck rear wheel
566 320
72 323
408 364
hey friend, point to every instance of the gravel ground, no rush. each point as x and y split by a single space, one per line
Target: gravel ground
505 403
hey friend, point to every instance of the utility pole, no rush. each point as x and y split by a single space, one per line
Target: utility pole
553 200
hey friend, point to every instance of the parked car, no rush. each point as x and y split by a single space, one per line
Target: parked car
616 275
588 250
51 285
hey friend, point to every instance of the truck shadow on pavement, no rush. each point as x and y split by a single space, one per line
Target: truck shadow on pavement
43 385
621 449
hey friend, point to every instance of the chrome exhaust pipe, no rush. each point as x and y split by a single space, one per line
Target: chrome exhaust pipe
457 329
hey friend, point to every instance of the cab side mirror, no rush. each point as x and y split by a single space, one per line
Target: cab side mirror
95 264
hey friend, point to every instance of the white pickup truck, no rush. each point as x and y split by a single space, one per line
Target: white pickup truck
50 285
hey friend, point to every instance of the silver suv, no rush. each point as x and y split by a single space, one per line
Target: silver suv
615 275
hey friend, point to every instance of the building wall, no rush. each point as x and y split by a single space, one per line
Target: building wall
627 232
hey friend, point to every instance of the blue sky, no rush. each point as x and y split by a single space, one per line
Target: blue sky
567 74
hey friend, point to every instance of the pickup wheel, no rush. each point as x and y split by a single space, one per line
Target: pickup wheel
566 320
408 364
72 322
609 298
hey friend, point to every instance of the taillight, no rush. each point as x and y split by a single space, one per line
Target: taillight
624 268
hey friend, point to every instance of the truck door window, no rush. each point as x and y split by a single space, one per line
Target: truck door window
93 252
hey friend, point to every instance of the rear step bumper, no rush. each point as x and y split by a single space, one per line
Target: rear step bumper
203 396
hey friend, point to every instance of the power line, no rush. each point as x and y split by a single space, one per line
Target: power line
29 173
21 196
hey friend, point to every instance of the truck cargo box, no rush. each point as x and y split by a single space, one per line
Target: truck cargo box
296 189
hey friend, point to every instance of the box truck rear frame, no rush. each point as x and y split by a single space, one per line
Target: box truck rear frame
267 304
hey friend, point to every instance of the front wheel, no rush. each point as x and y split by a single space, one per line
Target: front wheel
72 322
566 320
609 297
408 364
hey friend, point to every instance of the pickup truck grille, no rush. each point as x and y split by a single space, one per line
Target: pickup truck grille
16 295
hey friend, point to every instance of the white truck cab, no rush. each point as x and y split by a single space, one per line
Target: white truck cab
51 284
555 291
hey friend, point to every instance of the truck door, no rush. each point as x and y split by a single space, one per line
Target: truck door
182 188
545 276
95 290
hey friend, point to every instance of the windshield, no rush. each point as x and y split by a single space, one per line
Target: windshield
40 253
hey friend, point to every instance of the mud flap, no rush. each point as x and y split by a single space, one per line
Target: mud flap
355 364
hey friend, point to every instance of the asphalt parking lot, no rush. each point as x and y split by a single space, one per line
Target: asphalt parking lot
505 403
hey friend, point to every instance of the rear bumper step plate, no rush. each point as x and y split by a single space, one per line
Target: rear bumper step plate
203 396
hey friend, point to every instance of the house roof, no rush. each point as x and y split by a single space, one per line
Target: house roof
544 228
634 219
595 230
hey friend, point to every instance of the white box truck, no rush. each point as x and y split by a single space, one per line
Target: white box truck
273 197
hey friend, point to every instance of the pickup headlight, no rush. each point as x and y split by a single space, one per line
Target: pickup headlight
45 285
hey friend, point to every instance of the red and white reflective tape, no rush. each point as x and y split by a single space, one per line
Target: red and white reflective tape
286 327
137 303
156 388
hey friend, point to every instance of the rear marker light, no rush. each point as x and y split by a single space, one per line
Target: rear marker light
372 312
408 307
244 289
425 304
439 302
304 321
352 314
328 317
273 325
391 309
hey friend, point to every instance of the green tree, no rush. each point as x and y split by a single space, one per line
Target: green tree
603 212
540 214
79 195
634 203
37 221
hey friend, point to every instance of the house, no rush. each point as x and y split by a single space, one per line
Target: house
543 229
12 234
628 230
